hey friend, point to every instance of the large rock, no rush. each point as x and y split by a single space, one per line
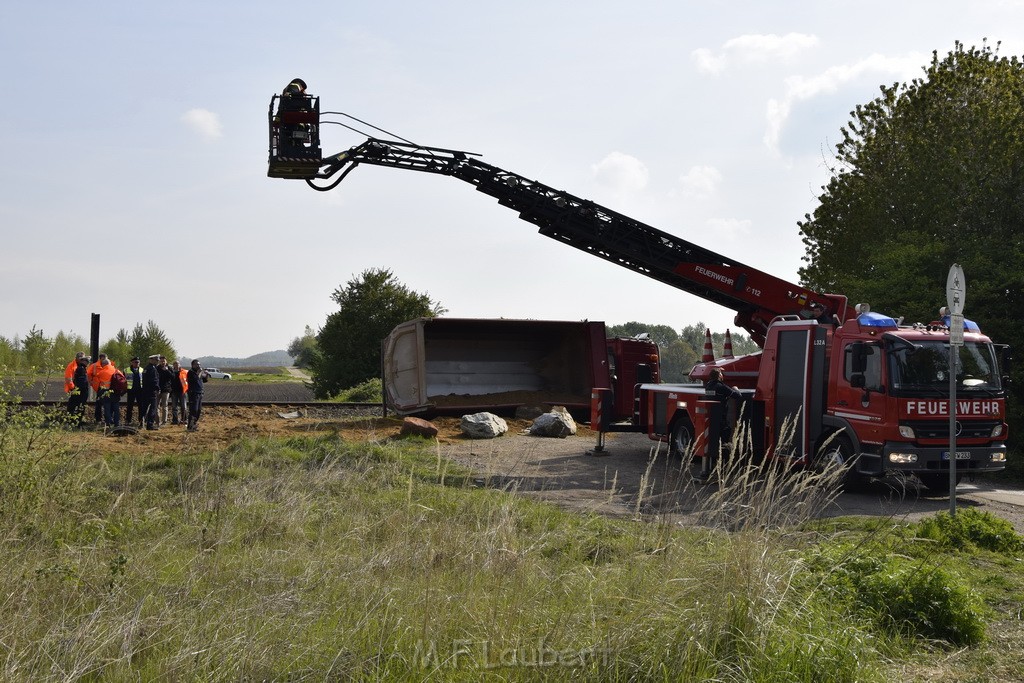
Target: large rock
557 423
483 426
414 426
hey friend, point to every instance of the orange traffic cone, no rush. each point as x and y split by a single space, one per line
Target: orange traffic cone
709 351
727 346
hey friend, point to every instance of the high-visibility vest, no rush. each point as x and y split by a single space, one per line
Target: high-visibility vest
69 376
100 378
183 376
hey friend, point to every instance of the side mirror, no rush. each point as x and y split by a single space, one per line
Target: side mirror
1005 359
857 380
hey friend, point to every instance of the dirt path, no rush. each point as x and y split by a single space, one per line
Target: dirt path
565 472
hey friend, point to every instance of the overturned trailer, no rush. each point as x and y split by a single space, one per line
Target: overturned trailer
458 365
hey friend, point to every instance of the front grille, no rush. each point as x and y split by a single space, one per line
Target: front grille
939 429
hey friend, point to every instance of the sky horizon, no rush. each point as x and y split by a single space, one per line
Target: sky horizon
135 184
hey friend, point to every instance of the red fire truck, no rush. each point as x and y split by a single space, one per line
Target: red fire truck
832 383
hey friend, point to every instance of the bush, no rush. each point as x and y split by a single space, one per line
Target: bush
901 596
368 392
971 528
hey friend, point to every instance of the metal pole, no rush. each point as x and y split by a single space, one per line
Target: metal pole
952 429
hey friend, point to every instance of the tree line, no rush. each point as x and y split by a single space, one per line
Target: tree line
38 353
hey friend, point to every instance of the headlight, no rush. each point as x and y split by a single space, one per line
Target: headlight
903 458
997 430
999 457
906 431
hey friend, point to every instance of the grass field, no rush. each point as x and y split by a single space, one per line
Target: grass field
318 558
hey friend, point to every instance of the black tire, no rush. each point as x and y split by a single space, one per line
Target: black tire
839 451
938 482
680 437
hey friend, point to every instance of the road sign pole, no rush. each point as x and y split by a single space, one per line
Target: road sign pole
956 296
952 429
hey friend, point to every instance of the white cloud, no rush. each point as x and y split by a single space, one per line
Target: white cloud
801 88
700 181
621 172
204 122
751 49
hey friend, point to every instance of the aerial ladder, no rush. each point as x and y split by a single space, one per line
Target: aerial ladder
755 296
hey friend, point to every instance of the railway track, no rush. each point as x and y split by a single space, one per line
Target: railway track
216 392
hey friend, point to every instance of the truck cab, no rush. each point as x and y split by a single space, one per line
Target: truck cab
890 401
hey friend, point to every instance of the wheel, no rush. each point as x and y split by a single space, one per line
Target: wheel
938 482
838 452
680 438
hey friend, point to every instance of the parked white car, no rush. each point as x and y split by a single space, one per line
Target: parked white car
214 373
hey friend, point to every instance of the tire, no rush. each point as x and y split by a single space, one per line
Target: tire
680 437
938 482
839 452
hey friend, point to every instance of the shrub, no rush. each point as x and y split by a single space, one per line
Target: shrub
971 528
367 392
901 596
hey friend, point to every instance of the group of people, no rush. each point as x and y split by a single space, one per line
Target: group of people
154 391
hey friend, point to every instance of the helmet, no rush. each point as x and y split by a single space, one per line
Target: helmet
299 82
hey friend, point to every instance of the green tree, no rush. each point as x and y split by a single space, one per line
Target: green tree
929 174
9 356
119 349
662 335
677 359
370 306
34 348
694 335
142 341
63 349
304 349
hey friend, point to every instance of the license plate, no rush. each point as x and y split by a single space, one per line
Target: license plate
960 455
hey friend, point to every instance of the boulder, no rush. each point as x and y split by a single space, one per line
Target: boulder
414 426
483 426
557 423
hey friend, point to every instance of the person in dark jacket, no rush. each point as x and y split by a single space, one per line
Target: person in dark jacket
134 395
150 393
723 393
166 377
196 378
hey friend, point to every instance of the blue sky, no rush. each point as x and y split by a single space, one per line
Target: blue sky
135 141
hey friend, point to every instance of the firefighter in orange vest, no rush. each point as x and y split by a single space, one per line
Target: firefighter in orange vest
69 373
102 370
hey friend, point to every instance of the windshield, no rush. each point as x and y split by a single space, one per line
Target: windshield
926 367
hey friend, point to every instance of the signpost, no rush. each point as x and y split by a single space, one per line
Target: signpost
956 293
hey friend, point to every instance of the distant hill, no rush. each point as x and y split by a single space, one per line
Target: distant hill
267 359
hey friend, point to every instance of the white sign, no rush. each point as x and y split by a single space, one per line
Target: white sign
956 290
956 329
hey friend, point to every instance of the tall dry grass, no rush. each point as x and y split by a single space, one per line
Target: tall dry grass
320 559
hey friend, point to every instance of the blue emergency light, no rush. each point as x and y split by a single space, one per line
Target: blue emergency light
969 325
872 319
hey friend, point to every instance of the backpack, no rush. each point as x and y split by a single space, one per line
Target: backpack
118 383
